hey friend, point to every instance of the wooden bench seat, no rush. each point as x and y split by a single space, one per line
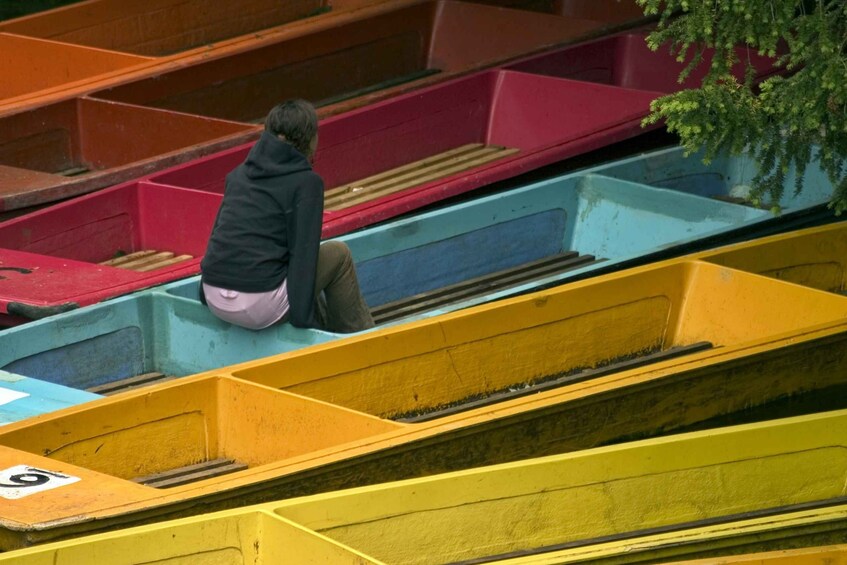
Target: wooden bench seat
413 174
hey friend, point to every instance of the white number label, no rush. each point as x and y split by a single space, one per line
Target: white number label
8 395
22 480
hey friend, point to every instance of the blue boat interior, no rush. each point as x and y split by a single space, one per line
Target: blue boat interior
613 212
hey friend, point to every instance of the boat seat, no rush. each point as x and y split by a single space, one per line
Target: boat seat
413 174
146 260
485 284
129 383
191 473
551 383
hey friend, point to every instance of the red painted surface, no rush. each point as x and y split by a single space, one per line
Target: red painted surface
61 246
109 141
548 118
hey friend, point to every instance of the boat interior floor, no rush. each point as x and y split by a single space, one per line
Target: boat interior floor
413 174
191 473
480 286
554 381
146 260
130 383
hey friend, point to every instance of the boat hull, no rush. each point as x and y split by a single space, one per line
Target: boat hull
355 388
503 513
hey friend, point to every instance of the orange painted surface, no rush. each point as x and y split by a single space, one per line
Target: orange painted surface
31 65
457 47
160 27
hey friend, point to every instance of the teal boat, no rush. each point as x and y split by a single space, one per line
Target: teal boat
503 244
23 397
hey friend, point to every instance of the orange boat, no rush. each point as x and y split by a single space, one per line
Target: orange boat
63 44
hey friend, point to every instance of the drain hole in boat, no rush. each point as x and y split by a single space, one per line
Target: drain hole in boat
615 365
146 260
414 174
191 473
480 286
130 383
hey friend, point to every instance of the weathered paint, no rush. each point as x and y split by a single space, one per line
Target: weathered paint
813 257
823 555
237 538
518 506
770 359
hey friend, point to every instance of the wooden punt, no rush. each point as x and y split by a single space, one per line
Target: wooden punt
495 514
398 160
772 341
406 142
399 36
23 397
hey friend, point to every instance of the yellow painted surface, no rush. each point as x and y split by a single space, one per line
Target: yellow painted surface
295 445
815 257
487 511
587 494
251 537
485 349
794 530
827 555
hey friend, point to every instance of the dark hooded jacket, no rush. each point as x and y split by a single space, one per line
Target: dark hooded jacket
268 228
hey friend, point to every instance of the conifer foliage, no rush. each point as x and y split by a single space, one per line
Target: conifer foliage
787 120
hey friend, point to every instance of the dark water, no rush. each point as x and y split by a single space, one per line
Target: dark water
15 8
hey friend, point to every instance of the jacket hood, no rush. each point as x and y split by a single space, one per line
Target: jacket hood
272 157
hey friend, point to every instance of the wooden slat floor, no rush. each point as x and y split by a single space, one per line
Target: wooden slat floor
146 260
413 174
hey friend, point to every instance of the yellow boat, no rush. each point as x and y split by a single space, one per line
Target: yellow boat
814 257
671 486
826 555
215 440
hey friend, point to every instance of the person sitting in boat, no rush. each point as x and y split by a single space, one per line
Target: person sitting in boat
264 262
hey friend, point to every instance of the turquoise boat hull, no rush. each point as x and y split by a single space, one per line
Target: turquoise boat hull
617 212
23 397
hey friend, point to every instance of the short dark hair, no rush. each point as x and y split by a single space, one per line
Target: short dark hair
296 121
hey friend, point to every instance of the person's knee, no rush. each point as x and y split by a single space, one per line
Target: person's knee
336 252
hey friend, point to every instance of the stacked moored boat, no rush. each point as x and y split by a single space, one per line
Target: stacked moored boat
611 361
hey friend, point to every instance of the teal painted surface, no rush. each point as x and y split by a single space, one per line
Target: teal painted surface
606 211
40 397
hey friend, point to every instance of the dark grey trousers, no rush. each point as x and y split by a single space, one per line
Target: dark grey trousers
340 306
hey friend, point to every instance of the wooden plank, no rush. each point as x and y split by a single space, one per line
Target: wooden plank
163 263
191 473
156 257
127 258
481 285
439 170
130 383
415 165
580 376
